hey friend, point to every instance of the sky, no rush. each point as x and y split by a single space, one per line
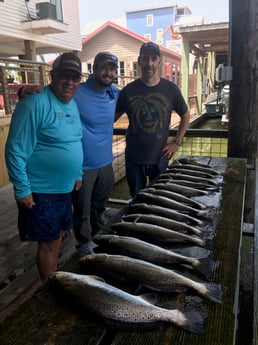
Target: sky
214 11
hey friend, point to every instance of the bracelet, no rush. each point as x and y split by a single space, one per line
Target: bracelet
177 142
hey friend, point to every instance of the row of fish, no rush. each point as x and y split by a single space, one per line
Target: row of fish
137 249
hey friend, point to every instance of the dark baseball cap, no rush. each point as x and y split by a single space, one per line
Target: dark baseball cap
104 58
150 46
67 62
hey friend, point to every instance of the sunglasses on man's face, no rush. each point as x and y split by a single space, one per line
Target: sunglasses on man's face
67 76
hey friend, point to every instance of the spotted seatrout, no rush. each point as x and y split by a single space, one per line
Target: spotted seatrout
148 274
136 248
118 306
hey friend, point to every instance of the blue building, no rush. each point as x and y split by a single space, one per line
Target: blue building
159 24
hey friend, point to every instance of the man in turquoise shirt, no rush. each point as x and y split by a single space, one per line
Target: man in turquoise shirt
44 161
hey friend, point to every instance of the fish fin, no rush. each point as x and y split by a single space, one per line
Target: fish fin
149 297
204 266
194 322
214 292
136 219
97 278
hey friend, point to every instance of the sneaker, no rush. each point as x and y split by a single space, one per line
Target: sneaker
86 248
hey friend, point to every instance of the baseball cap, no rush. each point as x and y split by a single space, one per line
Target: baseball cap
150 46
67 61
104 58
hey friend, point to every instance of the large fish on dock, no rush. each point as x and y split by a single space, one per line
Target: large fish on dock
148 274
150 198
155 233
175 196
192 161
162 211
193 172
186 183
119 307
186 191
139 249
192 167
161 221
183 176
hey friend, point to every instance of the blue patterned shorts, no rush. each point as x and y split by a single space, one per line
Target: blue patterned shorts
45 220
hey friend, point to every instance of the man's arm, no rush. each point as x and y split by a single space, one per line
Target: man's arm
173 146
183 125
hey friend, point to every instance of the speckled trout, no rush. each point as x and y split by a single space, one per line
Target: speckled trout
136 248
118 306
175 196
155 233
148 274
155 199
162 221
186 191
161 211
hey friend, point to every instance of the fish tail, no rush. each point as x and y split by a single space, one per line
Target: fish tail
213 292
208 243
194 322
204 266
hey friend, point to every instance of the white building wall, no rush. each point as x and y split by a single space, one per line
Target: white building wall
12 34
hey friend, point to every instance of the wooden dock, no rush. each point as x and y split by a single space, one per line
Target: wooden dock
44 319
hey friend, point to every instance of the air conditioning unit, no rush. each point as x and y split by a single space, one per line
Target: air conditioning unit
46 10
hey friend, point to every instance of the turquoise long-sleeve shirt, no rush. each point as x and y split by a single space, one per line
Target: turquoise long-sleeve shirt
44 145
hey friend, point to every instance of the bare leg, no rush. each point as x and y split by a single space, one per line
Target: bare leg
47 257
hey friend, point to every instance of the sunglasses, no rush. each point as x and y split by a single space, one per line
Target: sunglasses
76 78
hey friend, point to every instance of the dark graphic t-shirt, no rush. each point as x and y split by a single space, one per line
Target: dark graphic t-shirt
149 110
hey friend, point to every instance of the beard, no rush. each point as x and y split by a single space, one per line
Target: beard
105 80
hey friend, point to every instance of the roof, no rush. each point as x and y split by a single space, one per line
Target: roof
121 29
207 38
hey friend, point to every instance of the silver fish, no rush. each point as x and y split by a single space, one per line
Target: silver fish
187 183
149 198
193 172
155 233
205 169
187 191
161 221
192 161
148 274
162 211
116 305
139 249
175 196
182 176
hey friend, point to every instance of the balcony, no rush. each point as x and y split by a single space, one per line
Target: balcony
45 26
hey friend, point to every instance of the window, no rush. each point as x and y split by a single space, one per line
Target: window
148 36
59 11
159 38
180 12
135 69
149 20
122 68
89 68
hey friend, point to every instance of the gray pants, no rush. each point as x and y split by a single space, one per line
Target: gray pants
89 203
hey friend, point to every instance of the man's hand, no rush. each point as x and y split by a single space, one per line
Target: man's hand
169 150
26 202
78 185
28 90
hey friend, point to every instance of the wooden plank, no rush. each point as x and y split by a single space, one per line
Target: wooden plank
44 319
255 301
